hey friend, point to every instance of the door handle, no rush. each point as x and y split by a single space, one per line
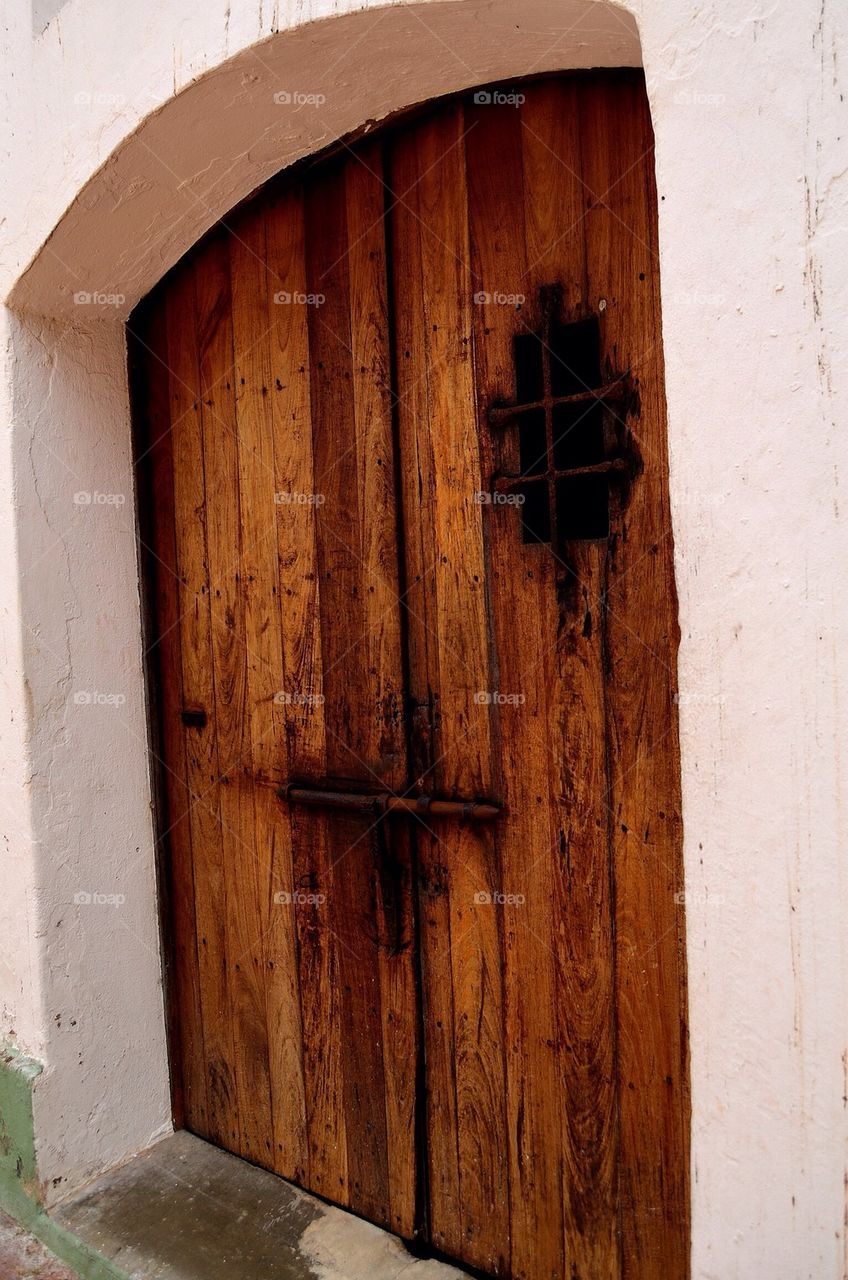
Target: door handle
386 802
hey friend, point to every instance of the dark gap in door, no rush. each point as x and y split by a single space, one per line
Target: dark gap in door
421 1227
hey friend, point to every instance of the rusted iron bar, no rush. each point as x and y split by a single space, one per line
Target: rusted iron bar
384 802
505 484
611 392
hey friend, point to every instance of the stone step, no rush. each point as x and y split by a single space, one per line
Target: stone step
185 1210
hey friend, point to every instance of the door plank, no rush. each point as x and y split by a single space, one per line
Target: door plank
155 463
461 864
355 1084
303 703
259 580
521 585
225 549
300 745
201 748
575 677
641 714
526 233
356 526
382 645
416 465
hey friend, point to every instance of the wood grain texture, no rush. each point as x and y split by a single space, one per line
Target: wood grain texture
574 676
200 743
289 660
462 950
297 743
381 655
527 199
641 712
416 458
541 668
227 542
273 942
475 1032
347 719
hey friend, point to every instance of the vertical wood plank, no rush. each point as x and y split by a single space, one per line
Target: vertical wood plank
299 744
259 580
382 657
306 870
641 714
464 867
574 666
521 584
156 491
198 694
368 1079
325 1033
225 548
416 466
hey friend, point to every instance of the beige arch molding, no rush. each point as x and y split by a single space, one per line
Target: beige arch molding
205 149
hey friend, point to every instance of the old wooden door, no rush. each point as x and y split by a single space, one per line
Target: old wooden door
402 435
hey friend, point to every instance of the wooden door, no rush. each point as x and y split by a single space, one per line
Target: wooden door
404 480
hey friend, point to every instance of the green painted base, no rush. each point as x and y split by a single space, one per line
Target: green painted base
19 1191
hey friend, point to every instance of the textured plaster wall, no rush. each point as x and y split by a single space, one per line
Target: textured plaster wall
133 129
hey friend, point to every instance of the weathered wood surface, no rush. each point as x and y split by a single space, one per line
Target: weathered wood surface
472 1030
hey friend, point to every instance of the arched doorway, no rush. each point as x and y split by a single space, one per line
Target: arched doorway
402 427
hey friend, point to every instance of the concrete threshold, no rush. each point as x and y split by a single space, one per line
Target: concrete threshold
184 1210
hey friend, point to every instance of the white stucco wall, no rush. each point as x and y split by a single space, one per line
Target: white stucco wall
134 128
